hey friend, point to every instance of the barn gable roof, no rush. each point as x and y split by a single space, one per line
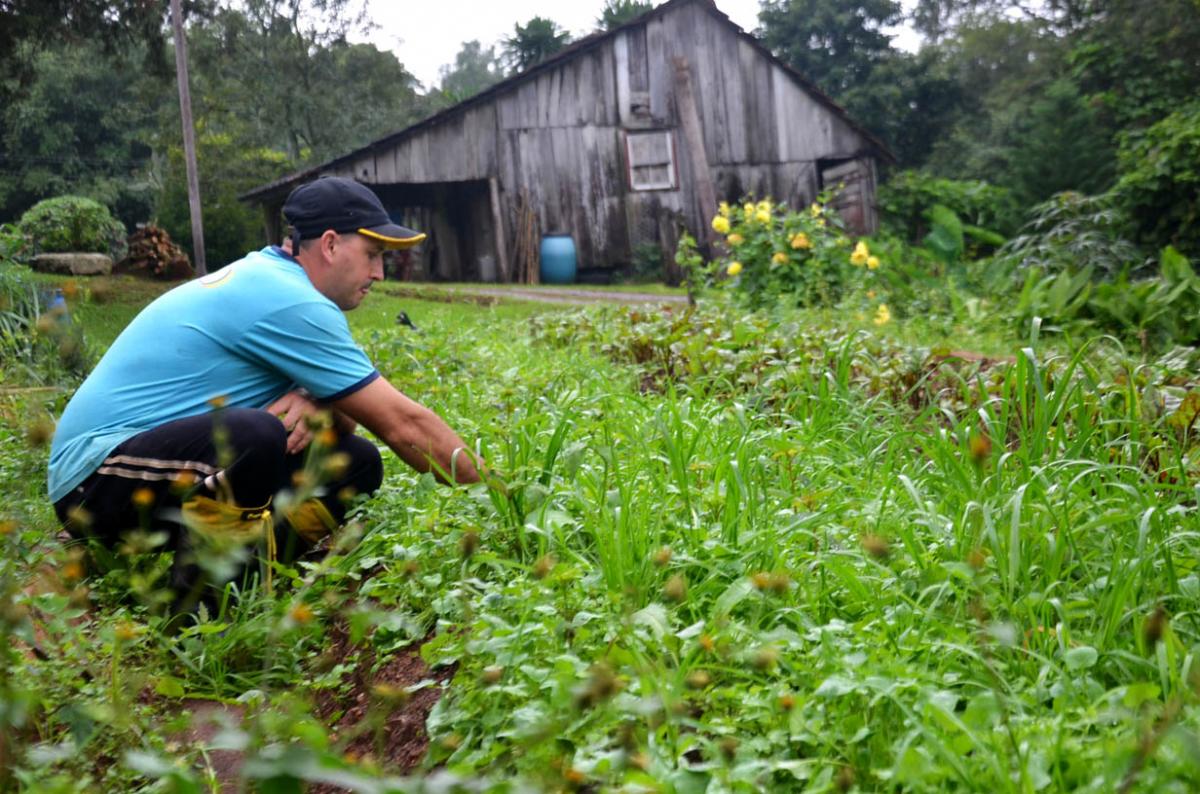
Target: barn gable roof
572 50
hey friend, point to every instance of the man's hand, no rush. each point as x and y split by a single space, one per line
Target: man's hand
294 409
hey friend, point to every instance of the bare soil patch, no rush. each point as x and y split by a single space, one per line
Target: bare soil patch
379 717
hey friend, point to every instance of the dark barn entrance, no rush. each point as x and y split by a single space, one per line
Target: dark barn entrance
458 219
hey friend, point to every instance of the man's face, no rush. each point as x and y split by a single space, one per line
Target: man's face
356 263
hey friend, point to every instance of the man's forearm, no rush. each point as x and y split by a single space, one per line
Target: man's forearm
428 444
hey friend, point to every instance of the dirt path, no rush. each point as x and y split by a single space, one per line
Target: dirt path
576 296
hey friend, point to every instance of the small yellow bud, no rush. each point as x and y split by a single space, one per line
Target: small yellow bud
735 239
876 546
734 268
675 590
301 613
544 565
779 258
142 498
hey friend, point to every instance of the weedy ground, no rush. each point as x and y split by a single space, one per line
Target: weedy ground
728 553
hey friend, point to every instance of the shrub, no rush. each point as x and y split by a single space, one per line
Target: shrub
776 255
1159 185
907 199
73 223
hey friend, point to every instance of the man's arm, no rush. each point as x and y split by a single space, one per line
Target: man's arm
415 433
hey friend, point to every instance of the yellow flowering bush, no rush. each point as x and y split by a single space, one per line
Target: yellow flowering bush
773 254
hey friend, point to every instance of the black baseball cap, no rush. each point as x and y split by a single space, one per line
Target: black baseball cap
344 205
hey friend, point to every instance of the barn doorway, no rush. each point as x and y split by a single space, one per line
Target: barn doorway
458 219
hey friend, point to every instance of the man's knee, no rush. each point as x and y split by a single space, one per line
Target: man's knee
251 445
250 433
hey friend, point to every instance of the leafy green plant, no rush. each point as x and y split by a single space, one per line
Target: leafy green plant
1071 231
73 223
1156 312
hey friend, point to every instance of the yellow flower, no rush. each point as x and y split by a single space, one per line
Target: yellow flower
748 209
142 498
734 268
870 294
800 240
723 209
762 216
764 206
861 254
720 224
872 262
735 239
882 315
780 258
815 210
821 222
125 631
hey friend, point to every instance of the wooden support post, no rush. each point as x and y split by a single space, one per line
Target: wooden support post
189 138
693 143
498 222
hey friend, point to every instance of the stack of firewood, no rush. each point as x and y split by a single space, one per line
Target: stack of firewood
153 255
525 254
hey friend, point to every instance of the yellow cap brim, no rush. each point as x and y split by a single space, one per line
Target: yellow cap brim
394 243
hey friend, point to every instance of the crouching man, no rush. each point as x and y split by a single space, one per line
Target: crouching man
202 407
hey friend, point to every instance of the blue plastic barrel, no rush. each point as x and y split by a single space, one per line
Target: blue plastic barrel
558 259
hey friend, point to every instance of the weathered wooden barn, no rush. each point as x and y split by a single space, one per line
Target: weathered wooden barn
622 140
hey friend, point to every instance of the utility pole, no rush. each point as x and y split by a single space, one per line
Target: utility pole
189 138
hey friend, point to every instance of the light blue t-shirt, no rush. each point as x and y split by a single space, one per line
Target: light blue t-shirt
248 333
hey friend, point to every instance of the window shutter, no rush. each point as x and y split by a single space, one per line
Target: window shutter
651 160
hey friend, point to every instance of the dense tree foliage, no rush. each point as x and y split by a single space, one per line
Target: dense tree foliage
474 69
1034 97
836 43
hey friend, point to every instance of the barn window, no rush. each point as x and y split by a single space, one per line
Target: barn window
651 160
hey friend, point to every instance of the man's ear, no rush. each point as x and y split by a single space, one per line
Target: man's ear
329 241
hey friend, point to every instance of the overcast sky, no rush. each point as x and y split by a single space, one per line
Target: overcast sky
425 35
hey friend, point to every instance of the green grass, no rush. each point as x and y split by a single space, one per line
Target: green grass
731 553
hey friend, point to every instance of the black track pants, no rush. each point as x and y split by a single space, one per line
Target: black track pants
238 450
